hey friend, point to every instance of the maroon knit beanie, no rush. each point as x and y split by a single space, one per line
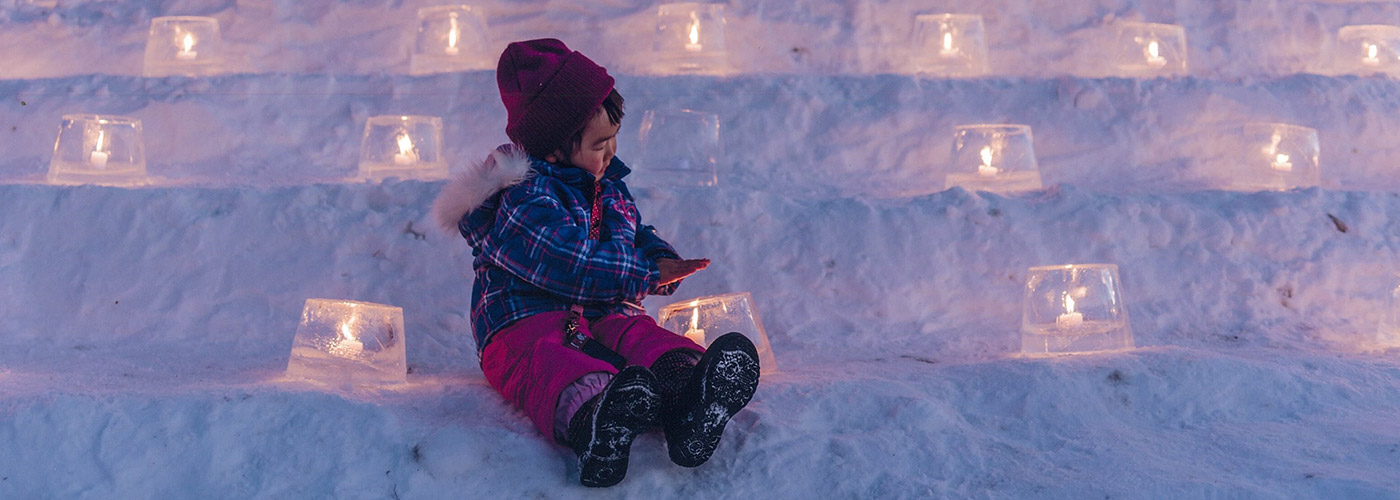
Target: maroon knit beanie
550 93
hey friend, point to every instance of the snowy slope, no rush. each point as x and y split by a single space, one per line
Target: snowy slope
144 330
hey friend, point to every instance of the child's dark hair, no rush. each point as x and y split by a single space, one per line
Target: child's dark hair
612 105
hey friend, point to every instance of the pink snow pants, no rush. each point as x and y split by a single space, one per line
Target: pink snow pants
528 363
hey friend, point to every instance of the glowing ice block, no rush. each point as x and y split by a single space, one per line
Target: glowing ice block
1388 334
1367 49
707 318
950 45
348 342
408 147
98 149
183 45
1073 309
451 38
1276 156
1148 50
994 157
690 39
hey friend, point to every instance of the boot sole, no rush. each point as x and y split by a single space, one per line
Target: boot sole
628 406
727 381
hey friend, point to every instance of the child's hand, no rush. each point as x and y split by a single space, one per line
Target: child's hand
673 270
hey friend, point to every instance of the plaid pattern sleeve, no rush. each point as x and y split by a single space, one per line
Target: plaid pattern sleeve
653 247
540 242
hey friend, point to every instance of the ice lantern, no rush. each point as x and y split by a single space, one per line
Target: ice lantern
706 318
994 157
348 342
1368 49
679 147
1389 332
1277 156
407 147
690 38
1149 49
950 45
450 38
183 45
1074 308
98 149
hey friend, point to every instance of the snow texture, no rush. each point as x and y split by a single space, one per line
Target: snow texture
145 331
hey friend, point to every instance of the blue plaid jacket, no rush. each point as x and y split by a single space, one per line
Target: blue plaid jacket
532 253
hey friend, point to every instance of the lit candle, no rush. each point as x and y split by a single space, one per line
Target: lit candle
947 49
349 346
98 157
1070 318
186 48
405 155
452 49
694 44
1154 54
695 333
1372 55
986 169
1281 163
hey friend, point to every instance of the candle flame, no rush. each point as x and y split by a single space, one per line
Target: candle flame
452 32
1272 148
347 331
948 41
694 30
100 133
987 155
1281 159
1372 51
1069 303
694 318
1153 50
187 43
405 144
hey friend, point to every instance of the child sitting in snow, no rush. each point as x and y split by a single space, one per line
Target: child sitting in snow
562 261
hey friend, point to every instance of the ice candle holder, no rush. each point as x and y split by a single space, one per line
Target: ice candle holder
707 318
348 342
1368 49
98 149
994 157
950 45
679 147
1150 49
1278 156
690 38
407 147
450 38
1388 334
183 45
1072 309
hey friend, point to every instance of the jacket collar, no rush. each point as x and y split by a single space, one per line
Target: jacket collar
578 177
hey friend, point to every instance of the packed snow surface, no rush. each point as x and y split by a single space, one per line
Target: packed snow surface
145 331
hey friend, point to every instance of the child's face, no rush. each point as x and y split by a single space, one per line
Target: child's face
598 146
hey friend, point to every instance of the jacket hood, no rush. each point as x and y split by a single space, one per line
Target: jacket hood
507 166
472 191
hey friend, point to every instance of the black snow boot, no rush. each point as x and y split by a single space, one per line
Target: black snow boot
602 430
673 371
720 385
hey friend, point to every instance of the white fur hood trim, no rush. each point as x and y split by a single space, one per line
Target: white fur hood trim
505 167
